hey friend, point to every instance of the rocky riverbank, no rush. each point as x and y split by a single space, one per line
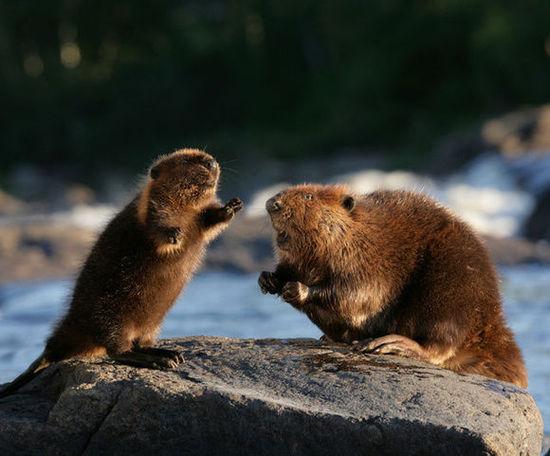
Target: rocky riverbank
48 232
264 397
44 248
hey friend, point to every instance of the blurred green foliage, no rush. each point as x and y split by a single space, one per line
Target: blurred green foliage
82 82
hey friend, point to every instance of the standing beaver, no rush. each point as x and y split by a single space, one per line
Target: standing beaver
139 265
394 271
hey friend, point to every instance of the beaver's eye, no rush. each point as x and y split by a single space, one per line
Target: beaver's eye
210 163
308 196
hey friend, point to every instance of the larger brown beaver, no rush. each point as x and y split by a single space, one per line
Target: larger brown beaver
139 265
395 271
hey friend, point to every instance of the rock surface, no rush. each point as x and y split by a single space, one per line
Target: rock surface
42 251
520 132
513 251
266 397
514 134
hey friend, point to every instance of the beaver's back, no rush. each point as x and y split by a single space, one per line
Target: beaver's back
451 296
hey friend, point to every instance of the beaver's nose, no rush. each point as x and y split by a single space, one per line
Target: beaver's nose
211 164
273 204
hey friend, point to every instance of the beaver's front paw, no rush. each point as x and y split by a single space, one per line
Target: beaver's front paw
233 206
295 293
269 283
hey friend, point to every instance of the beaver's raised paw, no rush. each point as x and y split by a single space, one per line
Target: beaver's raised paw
295 293
269 283
234 205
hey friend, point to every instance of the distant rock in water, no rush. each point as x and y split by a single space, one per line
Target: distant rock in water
268 397
520 132
10 205
537 225
514 251
515 134
501 197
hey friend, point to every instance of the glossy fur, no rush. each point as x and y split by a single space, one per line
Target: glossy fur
139 265
393 272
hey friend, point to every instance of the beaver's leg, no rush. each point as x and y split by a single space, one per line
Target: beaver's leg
144 360
122 349
393 344
327 340
173 355
145 344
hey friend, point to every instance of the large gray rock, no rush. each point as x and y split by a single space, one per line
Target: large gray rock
268 397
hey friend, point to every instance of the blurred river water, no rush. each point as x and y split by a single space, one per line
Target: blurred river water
231 305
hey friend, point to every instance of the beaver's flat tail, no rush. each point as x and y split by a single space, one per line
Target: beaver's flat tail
32 371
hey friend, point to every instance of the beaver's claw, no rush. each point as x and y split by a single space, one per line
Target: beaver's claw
234 205
295 293
269 283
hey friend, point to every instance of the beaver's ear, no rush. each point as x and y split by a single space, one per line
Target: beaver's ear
155 171
348 203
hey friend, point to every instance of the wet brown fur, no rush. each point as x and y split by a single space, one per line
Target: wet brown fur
141 261
396 267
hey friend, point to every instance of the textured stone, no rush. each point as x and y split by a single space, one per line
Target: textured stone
268 397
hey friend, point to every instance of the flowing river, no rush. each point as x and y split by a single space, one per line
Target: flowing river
231 305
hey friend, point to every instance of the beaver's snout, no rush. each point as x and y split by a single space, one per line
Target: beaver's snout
273 205
213 171
211 164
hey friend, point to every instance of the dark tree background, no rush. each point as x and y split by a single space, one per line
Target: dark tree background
82 82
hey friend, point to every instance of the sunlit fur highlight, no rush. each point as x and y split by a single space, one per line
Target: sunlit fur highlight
396 263
140 263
